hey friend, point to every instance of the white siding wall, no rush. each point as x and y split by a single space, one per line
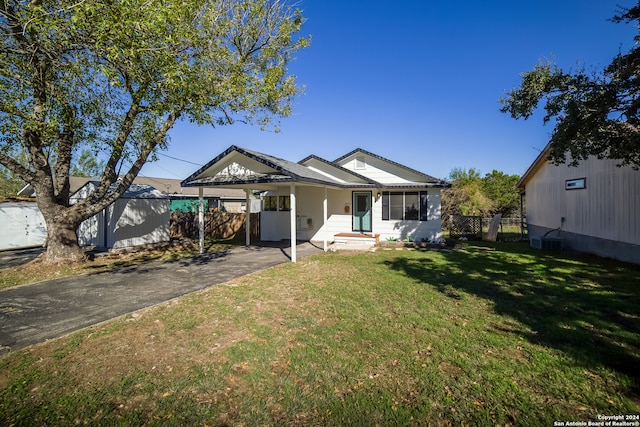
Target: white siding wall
91 231
129 222
338 221
23 225
430 229
274 226
378 171
134 222
608 208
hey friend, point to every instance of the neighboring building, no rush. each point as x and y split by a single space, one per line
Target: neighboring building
182 198
593 207
359 193
185 199
139 217
22 225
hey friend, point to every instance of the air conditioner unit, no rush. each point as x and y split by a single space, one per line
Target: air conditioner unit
545 243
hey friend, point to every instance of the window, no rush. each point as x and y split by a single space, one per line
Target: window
400 205
284 203
395 205
270 203
411 207
575 184
424 206
276 203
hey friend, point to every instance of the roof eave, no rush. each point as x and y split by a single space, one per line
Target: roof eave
533 168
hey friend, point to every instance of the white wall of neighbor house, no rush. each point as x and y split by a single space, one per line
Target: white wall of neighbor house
608 208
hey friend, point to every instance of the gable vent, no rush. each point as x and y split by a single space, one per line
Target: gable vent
360 163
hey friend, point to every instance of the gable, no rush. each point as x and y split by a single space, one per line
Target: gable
334 171
383 170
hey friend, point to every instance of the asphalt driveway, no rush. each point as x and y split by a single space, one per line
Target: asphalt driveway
34 313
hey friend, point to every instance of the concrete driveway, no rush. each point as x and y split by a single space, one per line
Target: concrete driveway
41 311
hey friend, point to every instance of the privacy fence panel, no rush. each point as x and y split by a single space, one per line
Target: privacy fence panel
217 225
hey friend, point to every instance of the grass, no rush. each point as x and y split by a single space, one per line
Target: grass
492 335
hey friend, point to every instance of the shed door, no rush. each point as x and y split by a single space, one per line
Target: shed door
362 211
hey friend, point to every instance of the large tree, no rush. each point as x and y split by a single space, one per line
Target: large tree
115 75
501 189
466 195
596 113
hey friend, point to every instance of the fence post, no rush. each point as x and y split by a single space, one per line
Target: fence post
201 218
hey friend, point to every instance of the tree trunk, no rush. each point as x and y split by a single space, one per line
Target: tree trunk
62 244
62 237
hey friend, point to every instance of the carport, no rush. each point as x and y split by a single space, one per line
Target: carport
252 171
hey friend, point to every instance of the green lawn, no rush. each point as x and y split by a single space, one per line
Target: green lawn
485 336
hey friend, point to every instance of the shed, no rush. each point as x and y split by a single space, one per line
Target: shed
140 216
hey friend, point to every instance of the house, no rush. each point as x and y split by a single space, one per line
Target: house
593 207
359 195
140 216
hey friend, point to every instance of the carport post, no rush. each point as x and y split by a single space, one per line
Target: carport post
247 222
293 216
201 218
324 218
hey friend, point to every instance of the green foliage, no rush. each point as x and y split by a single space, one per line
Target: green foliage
114 77
501 189
87 165
466 196
472 194
595 113
9 184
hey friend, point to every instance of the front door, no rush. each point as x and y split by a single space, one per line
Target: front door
361 211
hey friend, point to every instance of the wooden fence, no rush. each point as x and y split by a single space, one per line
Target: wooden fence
217 225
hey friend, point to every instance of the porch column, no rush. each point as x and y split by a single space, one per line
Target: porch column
201 218
247 222
293 217
324 218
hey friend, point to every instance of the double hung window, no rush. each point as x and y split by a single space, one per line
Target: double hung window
405 205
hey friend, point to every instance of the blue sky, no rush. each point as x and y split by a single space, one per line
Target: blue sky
418 82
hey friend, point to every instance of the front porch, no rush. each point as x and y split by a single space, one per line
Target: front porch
357 238
355 241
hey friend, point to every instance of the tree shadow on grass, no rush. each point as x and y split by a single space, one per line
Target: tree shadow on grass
588 307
